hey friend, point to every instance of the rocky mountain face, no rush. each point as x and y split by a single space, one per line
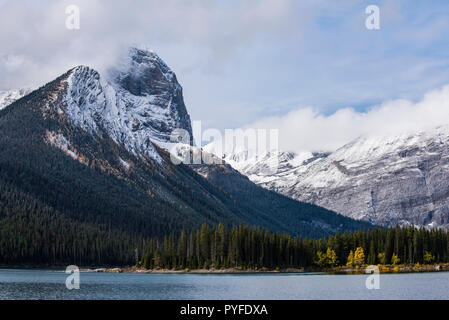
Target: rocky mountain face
401 179
136 104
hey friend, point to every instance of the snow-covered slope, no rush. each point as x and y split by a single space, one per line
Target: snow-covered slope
137 103
391 180
8 97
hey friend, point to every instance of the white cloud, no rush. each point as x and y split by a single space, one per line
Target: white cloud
306 129
37 33
238 60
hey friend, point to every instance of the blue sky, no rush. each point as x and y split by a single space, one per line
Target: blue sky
242 61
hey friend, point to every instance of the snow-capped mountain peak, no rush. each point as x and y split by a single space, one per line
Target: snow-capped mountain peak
8 97
143 72
138 103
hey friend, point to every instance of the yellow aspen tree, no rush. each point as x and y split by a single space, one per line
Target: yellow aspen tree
331 257
359 256
350 262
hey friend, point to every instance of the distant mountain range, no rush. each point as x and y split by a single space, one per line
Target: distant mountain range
85 178
386 180
8 97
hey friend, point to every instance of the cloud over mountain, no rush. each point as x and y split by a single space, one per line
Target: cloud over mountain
306 129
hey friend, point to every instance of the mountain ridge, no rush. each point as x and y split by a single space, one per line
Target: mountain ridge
386 180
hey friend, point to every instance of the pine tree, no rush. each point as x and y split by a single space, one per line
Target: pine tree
182 249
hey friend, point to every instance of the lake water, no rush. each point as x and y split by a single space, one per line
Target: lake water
44 284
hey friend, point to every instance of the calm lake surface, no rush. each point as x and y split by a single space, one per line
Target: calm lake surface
45 284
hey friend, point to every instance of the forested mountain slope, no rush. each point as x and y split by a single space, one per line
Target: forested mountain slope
83 180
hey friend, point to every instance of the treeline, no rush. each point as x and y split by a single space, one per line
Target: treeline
254 248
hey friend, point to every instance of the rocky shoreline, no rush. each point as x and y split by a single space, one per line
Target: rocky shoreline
194 271
336 270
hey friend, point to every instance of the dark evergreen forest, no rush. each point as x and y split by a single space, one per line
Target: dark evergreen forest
255 248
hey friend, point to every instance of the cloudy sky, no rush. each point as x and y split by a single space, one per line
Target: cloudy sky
309 68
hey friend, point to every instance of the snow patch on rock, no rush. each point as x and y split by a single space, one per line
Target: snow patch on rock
59 141
125 164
